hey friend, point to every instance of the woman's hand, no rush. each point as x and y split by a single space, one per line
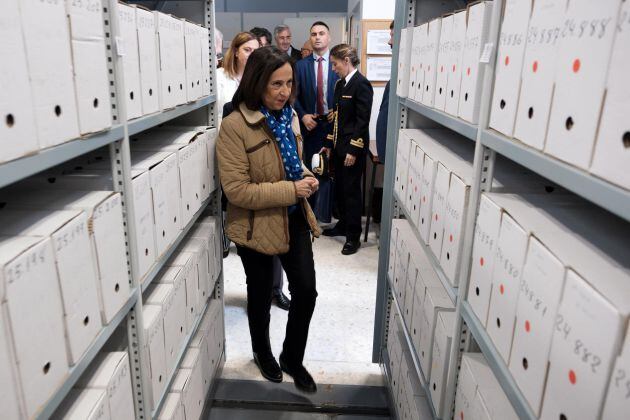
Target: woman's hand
303 188
314 183
350 160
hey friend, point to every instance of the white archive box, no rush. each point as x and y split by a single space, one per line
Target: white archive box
399 280
174 319
456 56
444 328
541 287
595 300
177 324
31 301
191 149
84 404
429 173
199 247
454 225
179 61
404 49
188 384
492 405
10 395
212 134
393 240
416 326
435 301
416 73
580 81
507 76
200 342
154 351
107 237
130 59
412 178
68 230
89 65
206 230
111 372
172 409
49 57
506 283
165 193
215 335
194 399
416 168
487 226
169 31
148 56
612 153
192 45
16 103
438 209
413 281
472 71
430 67
539 67
188 263
444 51
617 403
474 370
402 165
205 59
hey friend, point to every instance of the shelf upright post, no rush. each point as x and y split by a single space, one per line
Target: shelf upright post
483 166
404 17
120 156
209 22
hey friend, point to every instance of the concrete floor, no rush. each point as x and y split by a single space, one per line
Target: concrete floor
339 350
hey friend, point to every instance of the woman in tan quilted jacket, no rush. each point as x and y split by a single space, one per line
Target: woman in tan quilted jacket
259 149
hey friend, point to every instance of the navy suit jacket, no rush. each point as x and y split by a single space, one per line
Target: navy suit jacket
306 102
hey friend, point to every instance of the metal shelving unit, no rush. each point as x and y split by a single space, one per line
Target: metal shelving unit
388 377
458 125
159 264
77 370
414 356
22 168
606 195
198 112
498 366
146 122
406 113
450 290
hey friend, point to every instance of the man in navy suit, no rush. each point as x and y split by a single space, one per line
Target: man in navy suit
316 89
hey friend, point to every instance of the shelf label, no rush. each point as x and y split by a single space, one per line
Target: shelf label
487 52
120 46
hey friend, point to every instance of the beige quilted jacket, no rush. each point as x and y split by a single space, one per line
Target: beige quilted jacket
253 178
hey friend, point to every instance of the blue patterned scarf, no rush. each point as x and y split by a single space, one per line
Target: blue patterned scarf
283 132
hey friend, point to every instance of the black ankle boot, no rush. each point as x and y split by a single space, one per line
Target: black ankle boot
268 367
302 379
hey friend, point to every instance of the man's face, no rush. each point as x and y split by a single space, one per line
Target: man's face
391 38
320 38
263 41
283 40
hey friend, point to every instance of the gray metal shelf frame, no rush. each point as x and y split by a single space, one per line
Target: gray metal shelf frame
450 290
458 125
200 112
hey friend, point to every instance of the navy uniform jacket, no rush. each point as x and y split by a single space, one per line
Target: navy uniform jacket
350 132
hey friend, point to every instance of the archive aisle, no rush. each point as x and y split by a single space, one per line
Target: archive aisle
111 253
504 285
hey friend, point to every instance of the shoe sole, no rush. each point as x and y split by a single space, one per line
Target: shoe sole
267 377
301 389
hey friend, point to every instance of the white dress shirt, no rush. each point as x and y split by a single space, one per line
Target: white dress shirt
326 57
349 76
226 88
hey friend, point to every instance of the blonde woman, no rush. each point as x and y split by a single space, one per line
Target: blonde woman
235 58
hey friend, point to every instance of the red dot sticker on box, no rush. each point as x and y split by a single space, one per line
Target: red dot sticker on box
453 68
424 198
576 65
450 238
415 188
436 216
441 69
468 71
481 261
535 66
527 326
507 60
572 377
501 289
461 415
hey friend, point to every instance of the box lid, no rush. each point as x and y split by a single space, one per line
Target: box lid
160 294
35 222
81 404
191 358
171 405
103 369
151 314
181 380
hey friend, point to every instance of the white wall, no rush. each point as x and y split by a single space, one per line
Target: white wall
377 9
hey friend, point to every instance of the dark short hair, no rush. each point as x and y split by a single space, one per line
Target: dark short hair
320 23
260 65
391 25
262 32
